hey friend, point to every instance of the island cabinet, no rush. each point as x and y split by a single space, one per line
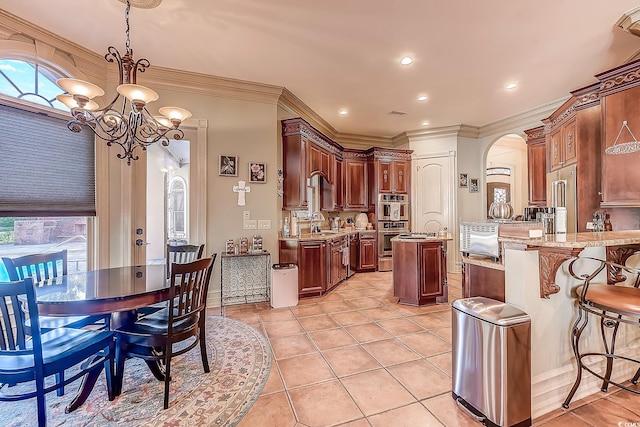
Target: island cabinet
419 271
482 278
620 173
367 253
573 134
305 152
355 180
536 166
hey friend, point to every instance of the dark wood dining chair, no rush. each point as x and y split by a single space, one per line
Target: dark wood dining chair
152 338
24 359
182 254
43 268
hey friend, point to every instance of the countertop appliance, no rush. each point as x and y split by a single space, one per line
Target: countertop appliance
479 238
561 192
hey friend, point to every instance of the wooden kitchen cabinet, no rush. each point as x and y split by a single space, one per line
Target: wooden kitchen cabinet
320 163
419 271
338 268
355 182
482 281
392 176
332 195
312 267
367 252
562 145
536 167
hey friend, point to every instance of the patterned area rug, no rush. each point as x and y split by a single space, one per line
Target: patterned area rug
239 358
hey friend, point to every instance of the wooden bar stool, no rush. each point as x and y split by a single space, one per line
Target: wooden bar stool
613 304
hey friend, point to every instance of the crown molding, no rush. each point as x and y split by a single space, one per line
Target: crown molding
630 21
353 140
526 119
294 106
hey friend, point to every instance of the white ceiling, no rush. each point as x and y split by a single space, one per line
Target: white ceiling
335 54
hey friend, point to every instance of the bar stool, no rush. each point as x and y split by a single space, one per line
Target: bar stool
613 304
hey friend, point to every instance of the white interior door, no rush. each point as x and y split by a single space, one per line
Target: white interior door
434 199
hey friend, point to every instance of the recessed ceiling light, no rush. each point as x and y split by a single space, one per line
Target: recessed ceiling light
406 60
425 123
422 98
511 86
343 112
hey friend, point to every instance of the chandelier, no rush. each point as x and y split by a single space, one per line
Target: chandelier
126 120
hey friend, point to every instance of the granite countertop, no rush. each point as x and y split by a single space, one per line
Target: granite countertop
483 261
417 238
579 240
325 235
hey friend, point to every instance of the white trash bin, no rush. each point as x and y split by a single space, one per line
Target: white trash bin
284 285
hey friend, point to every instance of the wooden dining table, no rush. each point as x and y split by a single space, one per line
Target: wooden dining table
115 292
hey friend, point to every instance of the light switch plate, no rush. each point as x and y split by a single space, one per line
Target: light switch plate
589 225
264 224
250 224
246 215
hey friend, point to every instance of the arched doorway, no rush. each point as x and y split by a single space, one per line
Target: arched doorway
506 173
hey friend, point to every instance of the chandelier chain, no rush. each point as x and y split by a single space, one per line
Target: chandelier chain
126 18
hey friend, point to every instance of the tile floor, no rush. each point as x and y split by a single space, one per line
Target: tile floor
355 357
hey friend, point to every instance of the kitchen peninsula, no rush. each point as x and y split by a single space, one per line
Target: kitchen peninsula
420 268
537 281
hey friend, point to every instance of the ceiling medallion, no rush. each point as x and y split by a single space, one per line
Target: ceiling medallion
143 4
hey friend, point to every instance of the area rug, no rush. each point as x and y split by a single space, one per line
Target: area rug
240 361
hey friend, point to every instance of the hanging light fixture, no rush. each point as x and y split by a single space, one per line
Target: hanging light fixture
624 147
126 120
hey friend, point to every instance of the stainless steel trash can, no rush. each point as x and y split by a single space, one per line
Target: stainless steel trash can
284 285
492 361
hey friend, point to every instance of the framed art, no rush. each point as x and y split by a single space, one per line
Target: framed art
258 172
228 165
473 185
463 180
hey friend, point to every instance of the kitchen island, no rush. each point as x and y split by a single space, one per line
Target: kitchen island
537 282
420 268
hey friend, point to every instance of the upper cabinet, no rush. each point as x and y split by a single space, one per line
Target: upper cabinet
620 92
392 176
305 153
389 172
537 166
355 181
561 136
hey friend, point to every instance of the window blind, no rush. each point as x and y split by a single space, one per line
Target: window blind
45 169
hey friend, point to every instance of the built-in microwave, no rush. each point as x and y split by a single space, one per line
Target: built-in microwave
393 207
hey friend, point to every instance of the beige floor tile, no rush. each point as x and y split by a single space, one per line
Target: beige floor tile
331 338
626 399
390 352
332 297
273 410
430 321
379 313
347 318
407 310
400 326
376 391
283 328
567 420
274 382
421 378
335 306
447 412
293 345
406 416
307 310
426 343
362 422
324 404
366 302
245 316
317 323
443 361
304 370
367 332
276 314
604 412
350 360
444 333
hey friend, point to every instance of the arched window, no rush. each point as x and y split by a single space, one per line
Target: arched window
177 209
30 82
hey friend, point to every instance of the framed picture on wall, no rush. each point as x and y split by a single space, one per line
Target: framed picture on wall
463 180
473 185
228 165
258 172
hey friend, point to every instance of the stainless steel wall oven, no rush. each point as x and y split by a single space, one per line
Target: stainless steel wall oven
387 230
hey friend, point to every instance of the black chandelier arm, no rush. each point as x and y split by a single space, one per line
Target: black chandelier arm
113 55
140 65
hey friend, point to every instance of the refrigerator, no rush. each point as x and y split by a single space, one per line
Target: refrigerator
561 192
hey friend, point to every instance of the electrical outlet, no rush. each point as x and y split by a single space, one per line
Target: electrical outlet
246 215
264 224
250 224
589 225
